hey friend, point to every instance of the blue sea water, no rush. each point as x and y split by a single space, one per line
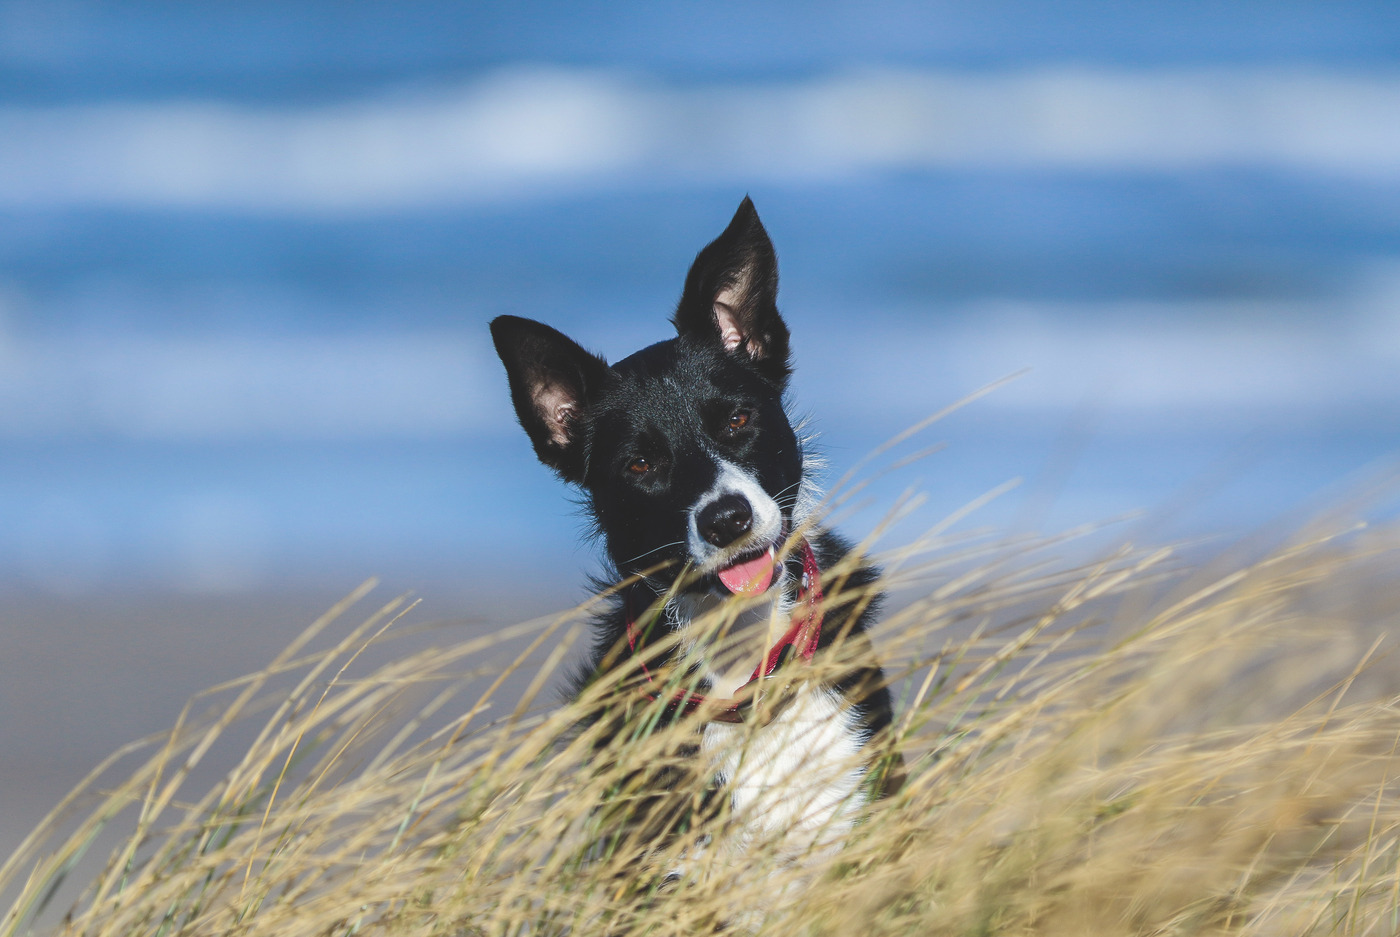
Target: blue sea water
224 368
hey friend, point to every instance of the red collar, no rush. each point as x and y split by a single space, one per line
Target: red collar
803 635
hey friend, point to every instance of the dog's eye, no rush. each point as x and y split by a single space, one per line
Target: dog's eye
737 421
638 466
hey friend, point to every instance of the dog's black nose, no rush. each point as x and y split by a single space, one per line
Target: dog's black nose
725 519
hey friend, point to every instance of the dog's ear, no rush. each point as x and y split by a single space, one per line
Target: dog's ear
552 382
731 296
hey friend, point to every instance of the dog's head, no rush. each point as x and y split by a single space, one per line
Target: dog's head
683 449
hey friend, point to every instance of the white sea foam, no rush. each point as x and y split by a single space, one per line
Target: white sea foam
522 132
1156 363
311 387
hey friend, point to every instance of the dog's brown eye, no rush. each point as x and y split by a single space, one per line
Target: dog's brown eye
638 466
738 420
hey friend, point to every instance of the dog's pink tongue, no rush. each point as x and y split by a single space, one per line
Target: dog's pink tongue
750 577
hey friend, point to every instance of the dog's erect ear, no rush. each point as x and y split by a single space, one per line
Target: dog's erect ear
552 382
731 296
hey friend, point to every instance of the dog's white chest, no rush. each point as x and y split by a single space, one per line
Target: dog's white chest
798 778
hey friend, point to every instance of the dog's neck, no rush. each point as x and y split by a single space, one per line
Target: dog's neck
727 644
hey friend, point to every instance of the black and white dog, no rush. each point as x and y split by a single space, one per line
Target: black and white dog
685 454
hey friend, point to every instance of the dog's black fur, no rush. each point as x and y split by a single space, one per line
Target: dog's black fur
651 440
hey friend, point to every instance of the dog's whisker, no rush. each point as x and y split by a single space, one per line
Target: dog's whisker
664 546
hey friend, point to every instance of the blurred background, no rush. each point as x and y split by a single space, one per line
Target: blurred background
248 252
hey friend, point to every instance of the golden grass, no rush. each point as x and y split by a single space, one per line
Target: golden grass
1114 749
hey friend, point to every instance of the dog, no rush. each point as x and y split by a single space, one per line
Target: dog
696 480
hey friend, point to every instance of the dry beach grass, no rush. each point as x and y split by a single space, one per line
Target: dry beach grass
1132 746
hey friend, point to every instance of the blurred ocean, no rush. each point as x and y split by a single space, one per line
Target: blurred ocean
248 252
